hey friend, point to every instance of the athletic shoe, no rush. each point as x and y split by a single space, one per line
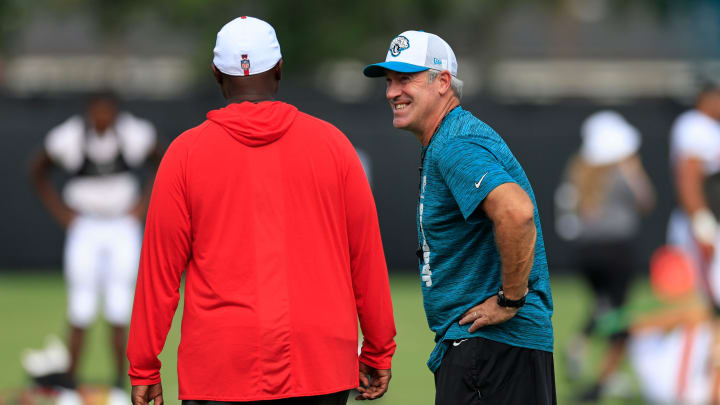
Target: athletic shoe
57 354
52 359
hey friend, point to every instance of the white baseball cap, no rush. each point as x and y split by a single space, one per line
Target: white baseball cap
246 46
415 51
608 138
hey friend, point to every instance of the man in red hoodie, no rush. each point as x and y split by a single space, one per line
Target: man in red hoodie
269 214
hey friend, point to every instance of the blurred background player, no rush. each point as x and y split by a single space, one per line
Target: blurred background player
102 206
600 202
693 227
669 347
695 160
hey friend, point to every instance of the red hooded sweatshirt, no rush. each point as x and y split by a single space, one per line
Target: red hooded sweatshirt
268 212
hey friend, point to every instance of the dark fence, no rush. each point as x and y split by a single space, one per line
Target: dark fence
541 136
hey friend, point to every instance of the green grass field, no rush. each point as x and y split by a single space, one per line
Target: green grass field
33 306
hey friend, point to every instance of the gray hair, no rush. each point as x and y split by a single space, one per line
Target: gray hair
455 84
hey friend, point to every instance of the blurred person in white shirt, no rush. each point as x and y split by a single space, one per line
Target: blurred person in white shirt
102 206
695 160
693 225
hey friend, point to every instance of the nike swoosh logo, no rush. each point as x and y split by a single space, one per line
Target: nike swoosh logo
458 342
477 185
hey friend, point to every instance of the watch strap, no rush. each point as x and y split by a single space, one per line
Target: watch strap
504 301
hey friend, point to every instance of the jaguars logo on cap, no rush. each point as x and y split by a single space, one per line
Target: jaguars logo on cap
399 44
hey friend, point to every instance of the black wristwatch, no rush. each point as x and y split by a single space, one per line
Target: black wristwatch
503 301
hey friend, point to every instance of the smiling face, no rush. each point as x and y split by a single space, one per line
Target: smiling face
412 100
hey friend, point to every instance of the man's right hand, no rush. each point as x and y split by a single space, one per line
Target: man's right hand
143 394
707 251
373 382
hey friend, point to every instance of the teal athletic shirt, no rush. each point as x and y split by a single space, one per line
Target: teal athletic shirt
460 264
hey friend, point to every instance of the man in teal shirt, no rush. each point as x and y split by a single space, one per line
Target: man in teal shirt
483 270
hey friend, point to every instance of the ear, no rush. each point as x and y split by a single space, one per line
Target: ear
278 70
217 73
443 81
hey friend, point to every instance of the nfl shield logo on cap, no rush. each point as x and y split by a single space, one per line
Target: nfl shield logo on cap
246 39
245 64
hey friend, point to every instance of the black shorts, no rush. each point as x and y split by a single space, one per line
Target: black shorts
481 371
338 398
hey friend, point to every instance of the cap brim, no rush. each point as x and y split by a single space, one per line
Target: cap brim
378 69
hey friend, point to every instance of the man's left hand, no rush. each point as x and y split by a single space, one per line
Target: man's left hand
373 382
487 313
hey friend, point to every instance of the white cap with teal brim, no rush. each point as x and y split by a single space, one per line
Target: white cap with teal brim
415 51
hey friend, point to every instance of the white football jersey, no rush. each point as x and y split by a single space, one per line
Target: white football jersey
72 142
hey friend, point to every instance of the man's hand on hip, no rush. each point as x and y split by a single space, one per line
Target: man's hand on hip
373 382
487 313
144 394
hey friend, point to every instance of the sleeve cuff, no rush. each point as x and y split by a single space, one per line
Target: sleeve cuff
378 365
144 381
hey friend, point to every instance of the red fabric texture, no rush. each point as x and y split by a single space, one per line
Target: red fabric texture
269 214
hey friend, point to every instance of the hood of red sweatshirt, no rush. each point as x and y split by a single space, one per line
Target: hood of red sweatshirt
255 124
